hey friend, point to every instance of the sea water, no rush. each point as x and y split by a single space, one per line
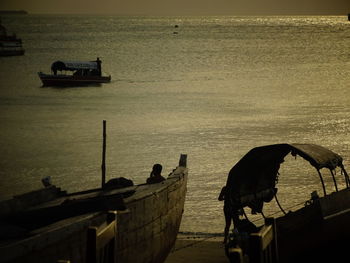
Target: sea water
209 87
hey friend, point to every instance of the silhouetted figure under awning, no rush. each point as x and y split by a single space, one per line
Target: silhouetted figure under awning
252 180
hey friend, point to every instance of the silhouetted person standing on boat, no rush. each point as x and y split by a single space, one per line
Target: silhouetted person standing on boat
155 176
231 213
227 212
99 68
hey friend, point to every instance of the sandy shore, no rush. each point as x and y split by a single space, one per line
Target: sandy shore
196 249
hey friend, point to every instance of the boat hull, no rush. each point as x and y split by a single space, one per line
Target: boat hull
323 224
152 234
146 229
318 232
70 80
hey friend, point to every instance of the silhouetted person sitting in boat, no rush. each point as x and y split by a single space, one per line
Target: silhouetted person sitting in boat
155 176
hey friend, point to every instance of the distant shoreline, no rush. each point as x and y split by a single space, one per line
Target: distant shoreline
24 12
13 12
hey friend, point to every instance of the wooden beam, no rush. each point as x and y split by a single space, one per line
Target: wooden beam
101 243
103 166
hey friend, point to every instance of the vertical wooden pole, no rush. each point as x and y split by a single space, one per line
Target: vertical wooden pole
103 166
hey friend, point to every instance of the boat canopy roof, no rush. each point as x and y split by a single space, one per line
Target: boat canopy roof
257 171
73 65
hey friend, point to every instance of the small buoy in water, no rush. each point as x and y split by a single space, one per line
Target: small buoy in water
174 32
176 26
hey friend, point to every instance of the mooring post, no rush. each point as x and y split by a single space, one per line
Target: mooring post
103 166
183 160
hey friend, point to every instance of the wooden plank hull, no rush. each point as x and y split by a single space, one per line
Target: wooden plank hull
146 230
66 240
151 223
317 230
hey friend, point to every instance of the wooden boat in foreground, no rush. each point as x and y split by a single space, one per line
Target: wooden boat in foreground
137 223
74 73
319 231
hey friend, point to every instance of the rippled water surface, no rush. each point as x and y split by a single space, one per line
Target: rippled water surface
216 88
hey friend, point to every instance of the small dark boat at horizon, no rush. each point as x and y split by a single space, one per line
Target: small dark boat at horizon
74 73
10 45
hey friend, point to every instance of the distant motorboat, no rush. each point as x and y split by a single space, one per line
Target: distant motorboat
74 73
